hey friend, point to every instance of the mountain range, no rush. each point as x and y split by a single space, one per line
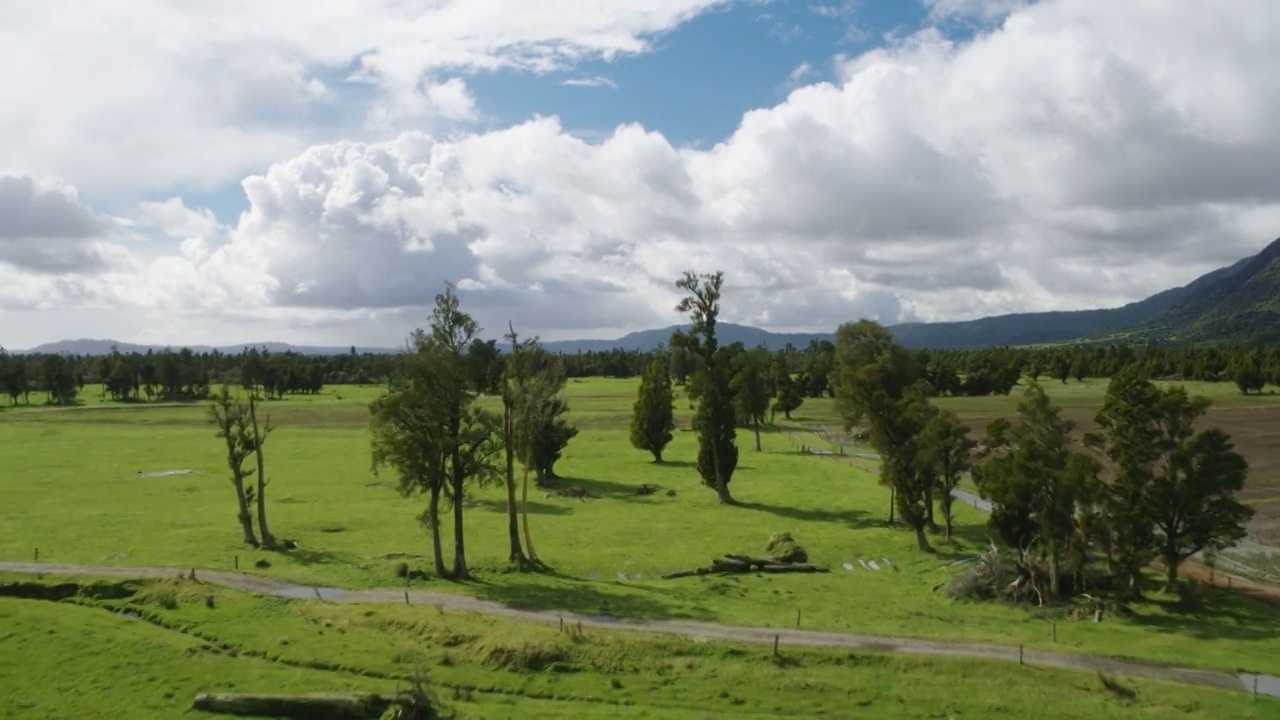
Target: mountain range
1239 303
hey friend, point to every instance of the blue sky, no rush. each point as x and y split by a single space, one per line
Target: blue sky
693 85
699 80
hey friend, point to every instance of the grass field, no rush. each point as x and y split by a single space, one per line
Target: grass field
73 489
180 638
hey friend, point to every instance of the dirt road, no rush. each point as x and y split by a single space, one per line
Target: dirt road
698 631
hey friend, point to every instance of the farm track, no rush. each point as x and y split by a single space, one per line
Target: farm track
1266 685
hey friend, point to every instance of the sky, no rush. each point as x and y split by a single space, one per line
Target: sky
315 171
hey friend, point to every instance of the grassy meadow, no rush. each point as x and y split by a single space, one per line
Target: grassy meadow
171 639
76 486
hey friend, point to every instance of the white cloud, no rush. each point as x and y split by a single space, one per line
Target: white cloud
982 10
594 81
1084 153
130 98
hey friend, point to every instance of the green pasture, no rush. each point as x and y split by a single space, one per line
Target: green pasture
181 637
72 489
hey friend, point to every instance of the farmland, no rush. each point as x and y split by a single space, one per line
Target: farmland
92 484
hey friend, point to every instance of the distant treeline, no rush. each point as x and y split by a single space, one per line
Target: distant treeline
183 375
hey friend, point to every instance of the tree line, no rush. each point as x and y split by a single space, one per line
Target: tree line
807 372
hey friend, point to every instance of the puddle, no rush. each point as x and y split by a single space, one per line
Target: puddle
165 473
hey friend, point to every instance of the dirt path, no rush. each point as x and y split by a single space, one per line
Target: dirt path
695 630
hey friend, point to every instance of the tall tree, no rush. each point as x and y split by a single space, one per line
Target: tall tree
949 447
652 416
540 432
1173 488
1193 504
260 434
750 387
876 385
511 385
428 428
714 419
231 418
1036 483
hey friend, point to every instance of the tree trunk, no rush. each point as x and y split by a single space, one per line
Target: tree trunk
246 520
459 544
267 538
893 501
722 492
946 517
928 509
922 541
1054 580
524 506
657 456
1171 563
513 530
757 424
433 517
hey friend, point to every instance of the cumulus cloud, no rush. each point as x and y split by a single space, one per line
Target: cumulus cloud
45 228
1082 153
189 96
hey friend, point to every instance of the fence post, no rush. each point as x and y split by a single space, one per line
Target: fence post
237 561
1019 654
797 617
1055 631
37 554
406 597
775 652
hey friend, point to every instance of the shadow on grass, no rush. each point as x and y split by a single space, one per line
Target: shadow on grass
308 556
851 517
590 598
536 508
603 489
1224 615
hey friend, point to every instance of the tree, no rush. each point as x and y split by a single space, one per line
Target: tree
1129 438
231 417
652 417
548 432
877 384
485 364
750 388
428 428
57 378
540 432
1249 377
714 419
1036 483
260 434
948 446
789 398
1173 488
511 385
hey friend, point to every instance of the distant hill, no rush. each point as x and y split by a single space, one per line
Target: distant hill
1241 306
1060 326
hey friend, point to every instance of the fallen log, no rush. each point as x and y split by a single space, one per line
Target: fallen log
795 568
741 564
365 706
